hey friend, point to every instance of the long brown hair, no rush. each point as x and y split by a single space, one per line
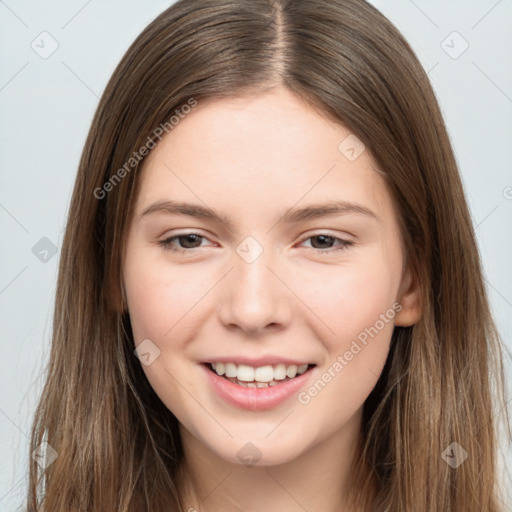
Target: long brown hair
117 446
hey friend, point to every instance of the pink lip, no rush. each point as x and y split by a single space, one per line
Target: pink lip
255 362
255 399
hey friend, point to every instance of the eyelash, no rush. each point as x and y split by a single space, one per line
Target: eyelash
344 244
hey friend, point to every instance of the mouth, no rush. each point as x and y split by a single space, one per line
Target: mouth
258 377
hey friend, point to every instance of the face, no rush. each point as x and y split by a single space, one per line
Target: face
263 237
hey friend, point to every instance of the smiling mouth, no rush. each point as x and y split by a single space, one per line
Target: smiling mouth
261 377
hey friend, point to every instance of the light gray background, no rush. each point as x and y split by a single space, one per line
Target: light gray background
46 106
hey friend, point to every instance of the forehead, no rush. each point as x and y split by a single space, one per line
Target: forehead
265 151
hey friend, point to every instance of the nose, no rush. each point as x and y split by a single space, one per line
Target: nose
255 298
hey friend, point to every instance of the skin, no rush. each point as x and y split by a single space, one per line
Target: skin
253 158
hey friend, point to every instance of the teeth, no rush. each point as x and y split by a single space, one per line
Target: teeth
279 371
230 369
245 373
302 368
291 371
263 376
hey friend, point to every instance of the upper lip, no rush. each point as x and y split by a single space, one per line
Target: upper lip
256 361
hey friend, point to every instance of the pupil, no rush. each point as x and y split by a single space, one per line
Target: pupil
189 239
322 238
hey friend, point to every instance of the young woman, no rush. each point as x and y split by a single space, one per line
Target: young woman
270 295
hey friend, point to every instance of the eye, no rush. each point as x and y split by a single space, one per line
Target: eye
323 239
189 241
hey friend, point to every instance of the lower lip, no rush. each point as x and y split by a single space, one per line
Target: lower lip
255 399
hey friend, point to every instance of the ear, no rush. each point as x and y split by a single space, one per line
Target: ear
410 299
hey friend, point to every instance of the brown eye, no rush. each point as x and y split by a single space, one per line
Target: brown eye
186 241
190 240
322 241
326 244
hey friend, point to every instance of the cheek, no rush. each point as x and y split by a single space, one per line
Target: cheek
358 304
160 301
352 297
162 304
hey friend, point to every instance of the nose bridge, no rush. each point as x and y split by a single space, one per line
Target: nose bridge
254 297
253 282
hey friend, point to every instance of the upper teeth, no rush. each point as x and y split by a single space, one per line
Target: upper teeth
261 374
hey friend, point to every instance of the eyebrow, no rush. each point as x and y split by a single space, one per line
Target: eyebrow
293 215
